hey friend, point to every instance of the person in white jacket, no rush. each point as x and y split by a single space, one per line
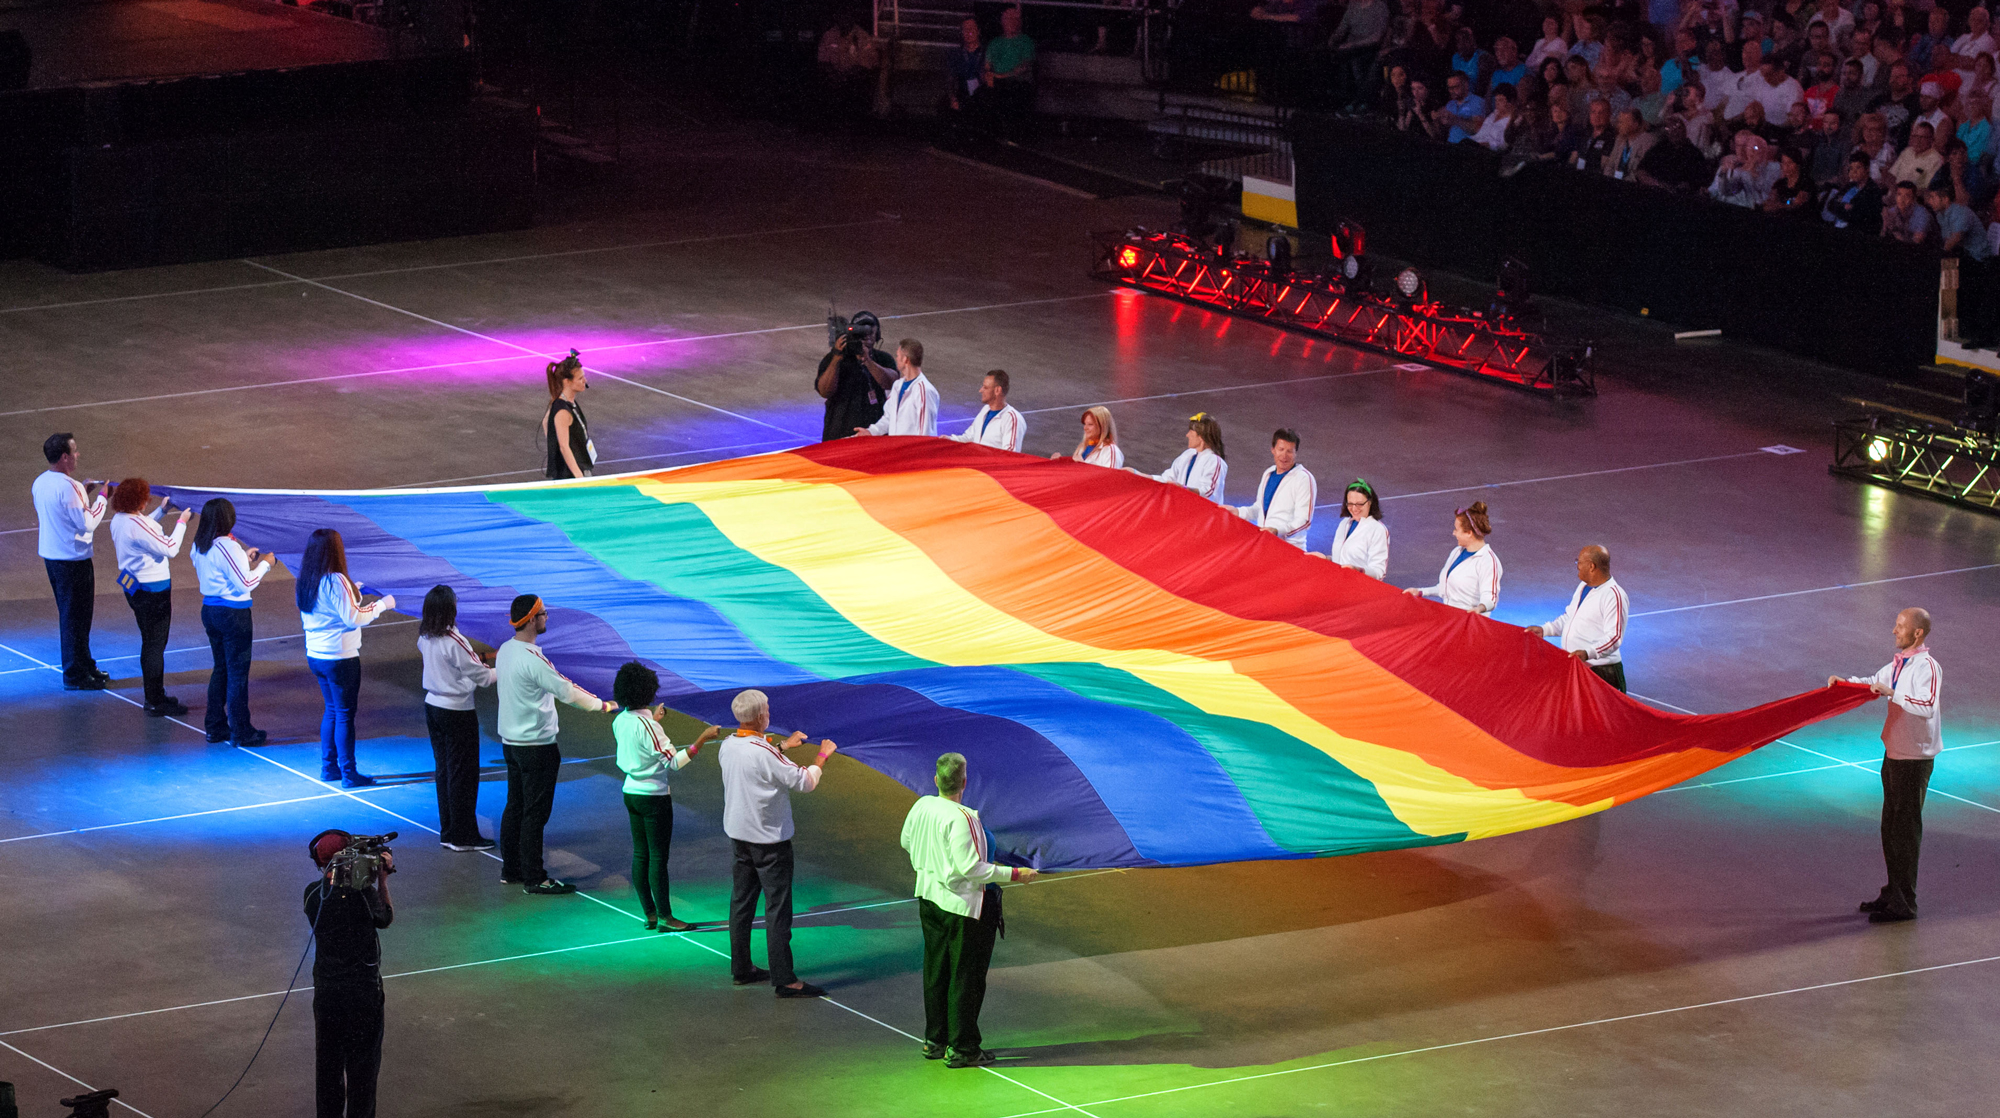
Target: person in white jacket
913 400
1470 578
332 613
997 425
1201 467
1361 540
1099 445
143 550
228 573
1592 627
1283 501
958 910
1912 737
529 686
649 759
453 670
67 513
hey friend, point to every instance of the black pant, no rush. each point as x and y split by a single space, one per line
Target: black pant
75 584
455 750
652 837
957 951
531 796
347 1048
1904 784
766 866
154 611
1614 674
229 636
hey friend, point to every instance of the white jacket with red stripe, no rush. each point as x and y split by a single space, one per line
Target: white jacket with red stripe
1914 730
1005 431
333 628
225 573
912 410
1203 471
143 546
1469 583
1594 623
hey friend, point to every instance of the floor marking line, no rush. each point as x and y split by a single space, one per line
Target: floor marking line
784 443
1539 1032
1564 477
1742 779
1815 590
1203 391
24 308
74 1079
172 818
1065 1106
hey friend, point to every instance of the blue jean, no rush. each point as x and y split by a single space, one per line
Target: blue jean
229 634
340 686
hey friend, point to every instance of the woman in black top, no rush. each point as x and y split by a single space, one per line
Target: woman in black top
564 430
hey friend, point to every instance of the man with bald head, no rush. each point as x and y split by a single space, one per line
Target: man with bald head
1593 627
1912 734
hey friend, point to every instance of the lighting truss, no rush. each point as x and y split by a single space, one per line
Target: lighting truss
1433 333
1949 463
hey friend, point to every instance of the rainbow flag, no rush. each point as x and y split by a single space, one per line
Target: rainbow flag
1136 676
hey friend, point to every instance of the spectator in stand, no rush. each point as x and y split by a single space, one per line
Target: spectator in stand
1492 133
1754 122
1898 105
1567 137
1652 101
1851 98
1829 152
1552 74
1861 48
998 424
1530 138
1801 132
1416 113
1610 88
1425 43
1697 122
1818 39
1674 163
1976 40
1582 87
1509 68
1788 46
1960 233
1881 151
1463 114
1919 161
1598 140
1394 96
1794 191
1552 44
1977 131
1717 80
1745 179
1931 110
1907 220
1749 83
1682 67
1589 46
332 614
1633 142
143 548
1710 24
1981 80
1099 445
1356 43
1857 203
1837 19
1970 183
1468 59
965 65
1822 87
1932 49
1202 467
1010 71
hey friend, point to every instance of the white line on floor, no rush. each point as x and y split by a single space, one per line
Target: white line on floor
1816 590
1561 477
1203 391
536 470
1532 1032
1795 772
1062 1108
88 1087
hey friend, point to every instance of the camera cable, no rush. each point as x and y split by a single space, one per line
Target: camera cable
310 936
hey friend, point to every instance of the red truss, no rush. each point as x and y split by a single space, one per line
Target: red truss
1449 337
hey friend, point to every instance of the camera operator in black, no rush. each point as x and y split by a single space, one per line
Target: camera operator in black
854 378
347 982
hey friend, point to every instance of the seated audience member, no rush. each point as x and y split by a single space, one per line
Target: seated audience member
1683 66
964 64
1907 220
1978 36
1959 230
1861 48
1697 122
1468 59
1899 104
1931 110
1981 81
1417 114
1838 20
1771 87
1394 96
1010 70
1755 122
1856 203
1971 183
1631 146
1492 133
1742 91
1589 44
1717 79
1829 154
1674 163
1567 136
1872 140
1509 68
1745 179
1581 85
1794 191
1824 88
1934 44
1552 44
1852 98
1597 140
1652 101
1463 114
1531 138
1801 132
1977 130
1920 160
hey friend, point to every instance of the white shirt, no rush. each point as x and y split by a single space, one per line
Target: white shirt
66 516
757 782
225 573
1492 132
1469 583
947 846
1203 471
1913 730
1557 48
1004 431
1362 544
1593 623
1102 454
143 547
1719 88
1778 99
452 670
912 410
1291 509
529 686
646 755
333 628
1969 45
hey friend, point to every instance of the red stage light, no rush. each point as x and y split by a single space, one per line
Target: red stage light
1128 257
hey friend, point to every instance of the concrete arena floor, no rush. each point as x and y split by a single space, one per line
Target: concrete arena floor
1694 953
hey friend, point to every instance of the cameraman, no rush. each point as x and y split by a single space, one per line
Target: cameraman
347 981
854 378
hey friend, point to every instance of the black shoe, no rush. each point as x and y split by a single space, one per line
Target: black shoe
935 1051
978 1058
802 990
549 888
756 975
1872 906
328 776
475 844
652 923
253 740
357 780
166 708
669 924
1889 916
505 880
101 676
88 683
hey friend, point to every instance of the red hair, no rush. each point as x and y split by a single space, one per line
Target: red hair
131 495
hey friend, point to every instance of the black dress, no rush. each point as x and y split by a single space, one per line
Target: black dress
579 440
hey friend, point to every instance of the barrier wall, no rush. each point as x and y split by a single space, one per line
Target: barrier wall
1785 280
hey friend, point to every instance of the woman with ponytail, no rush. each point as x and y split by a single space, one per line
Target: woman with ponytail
1201 466
564 430
1470 579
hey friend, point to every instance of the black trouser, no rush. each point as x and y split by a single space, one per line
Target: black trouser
957 951
652 820
347 1048
229 636
75 584
1614 674
154 611
1904 784
531 796
455 751
766 866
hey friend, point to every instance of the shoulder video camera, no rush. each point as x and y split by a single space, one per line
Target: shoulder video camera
359 863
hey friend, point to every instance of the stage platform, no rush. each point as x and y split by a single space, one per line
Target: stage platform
82 42
1696 952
